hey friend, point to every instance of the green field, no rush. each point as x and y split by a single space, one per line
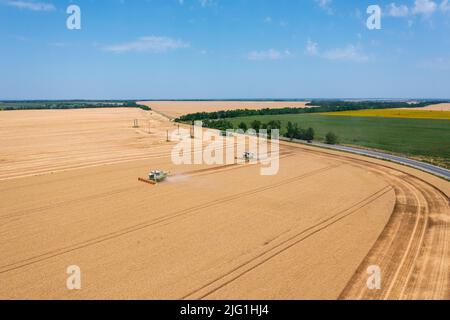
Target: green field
424 139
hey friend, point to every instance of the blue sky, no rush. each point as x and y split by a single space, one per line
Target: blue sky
175 49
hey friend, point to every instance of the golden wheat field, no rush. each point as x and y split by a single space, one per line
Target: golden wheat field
70 196
175 109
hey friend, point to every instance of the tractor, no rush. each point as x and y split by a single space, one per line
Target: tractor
248 156
155 177
158 176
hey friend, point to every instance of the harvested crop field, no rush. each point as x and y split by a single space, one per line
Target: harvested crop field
46 141
70 196
436 107
395 113
175 109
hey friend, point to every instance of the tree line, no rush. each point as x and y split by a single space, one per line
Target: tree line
343 105
293 130
62 105
316 106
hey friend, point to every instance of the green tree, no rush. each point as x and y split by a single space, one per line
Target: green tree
256 125
265 126
293 131
309 134
290 130
331 138
274 124
243 126
299 133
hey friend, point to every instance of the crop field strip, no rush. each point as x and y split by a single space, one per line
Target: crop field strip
151 223
260 259
418 195
199 172
412 246
411 262
394 113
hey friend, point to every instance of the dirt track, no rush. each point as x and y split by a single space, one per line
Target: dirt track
209 232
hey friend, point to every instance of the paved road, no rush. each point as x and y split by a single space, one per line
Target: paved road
438 171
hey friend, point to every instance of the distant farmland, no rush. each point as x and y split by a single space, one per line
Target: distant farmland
395 113
425 139
67 104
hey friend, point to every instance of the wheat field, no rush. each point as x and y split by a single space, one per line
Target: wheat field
395 113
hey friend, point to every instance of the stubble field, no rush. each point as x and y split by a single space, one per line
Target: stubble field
70 196
175 109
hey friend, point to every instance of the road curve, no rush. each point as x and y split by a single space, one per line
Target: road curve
438 171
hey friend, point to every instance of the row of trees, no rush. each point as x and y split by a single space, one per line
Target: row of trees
61 105
222 125
343 105
228 114
317 106
293 130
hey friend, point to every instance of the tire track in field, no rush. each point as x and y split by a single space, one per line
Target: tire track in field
199 172
416 275
423 272
96 162
415 264
265 256
429 279
91 164
412 249
164 220
32 211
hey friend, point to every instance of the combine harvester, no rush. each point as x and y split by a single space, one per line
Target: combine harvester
247 156
155 177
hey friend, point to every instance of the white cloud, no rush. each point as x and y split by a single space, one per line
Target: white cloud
284 24
398 11
270 54
445 6
424 7
325 5
206 3
203 3
349 53
150 44
312 48
31 5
